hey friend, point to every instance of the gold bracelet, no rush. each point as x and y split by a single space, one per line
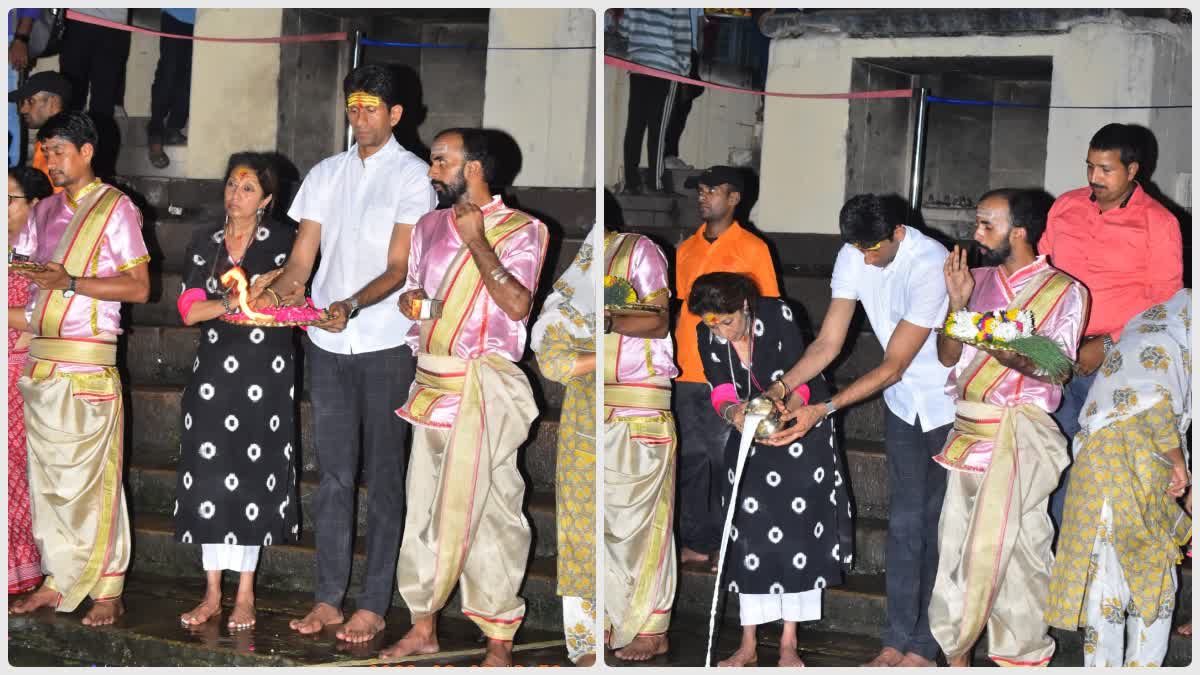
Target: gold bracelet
278 300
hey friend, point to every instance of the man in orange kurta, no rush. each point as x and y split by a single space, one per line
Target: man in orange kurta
720 244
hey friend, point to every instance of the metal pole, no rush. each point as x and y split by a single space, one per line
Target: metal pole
916 175
354 56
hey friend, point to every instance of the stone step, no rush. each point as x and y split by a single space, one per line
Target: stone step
164 355
150 634
152 490
292 567
822 647
857 606
156 422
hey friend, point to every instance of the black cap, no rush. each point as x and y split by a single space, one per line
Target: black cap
718 175
47 81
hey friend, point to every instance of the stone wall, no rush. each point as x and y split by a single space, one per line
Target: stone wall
1099 61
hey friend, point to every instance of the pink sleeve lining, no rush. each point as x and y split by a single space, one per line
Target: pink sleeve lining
803 392
188 298
722 394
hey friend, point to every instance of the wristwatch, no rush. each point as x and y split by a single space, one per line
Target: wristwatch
830 408
21 37
353 302
1106 339
70 289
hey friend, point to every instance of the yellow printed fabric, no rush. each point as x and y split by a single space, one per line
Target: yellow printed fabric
994 539
639 501
575 467
464 524
75 426
1122 464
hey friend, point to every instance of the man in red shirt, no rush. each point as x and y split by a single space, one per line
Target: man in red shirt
1123 245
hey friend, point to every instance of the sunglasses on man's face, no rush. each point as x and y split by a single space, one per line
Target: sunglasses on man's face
12 197
874 247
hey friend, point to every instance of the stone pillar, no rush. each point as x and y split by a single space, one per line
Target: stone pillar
235 88
545 100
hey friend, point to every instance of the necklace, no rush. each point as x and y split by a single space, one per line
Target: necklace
224 252
730 352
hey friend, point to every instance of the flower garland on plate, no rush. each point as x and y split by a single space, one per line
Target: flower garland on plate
1009 330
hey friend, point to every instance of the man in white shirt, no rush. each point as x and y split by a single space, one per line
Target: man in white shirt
895 271
358 209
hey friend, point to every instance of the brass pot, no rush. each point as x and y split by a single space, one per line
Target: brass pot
761 405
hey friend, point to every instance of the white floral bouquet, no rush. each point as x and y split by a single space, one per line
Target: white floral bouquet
1009 330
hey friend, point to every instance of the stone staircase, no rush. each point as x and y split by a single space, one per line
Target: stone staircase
854 613
156 359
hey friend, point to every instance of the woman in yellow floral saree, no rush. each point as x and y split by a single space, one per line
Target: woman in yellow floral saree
564 340
1114 575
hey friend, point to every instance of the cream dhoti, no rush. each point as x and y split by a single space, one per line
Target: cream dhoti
75 424
639 501
994 535
464 524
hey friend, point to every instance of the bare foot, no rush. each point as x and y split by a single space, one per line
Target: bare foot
242 615
1185 629
742 657
420 639
789 656
644 648
104 613
499 654
688 555
322 614
890 656
362 626
586 661
207 609
42 597
915 660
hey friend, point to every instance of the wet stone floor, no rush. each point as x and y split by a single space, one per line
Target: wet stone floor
151 634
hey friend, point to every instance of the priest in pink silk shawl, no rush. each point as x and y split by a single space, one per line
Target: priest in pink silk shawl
88 239
470 405
639 456
1005 453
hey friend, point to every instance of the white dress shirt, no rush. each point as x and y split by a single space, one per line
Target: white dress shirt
911 288
358 204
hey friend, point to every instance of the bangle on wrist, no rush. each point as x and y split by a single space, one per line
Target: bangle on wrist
22 37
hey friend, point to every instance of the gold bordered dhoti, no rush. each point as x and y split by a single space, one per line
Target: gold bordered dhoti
75 427
639 505
464 524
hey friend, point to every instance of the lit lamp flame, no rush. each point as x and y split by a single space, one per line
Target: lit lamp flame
238 278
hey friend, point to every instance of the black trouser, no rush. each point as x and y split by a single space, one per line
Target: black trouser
93 59
170 96
702 438
685 95
650 101
916 486
353 392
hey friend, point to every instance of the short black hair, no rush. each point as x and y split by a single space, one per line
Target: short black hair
373 79
1124 138
475 148
264 169
1027 209
722 293
869 218
33 182
73 126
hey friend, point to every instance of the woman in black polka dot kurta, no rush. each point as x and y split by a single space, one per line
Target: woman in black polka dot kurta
792 533
236 487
